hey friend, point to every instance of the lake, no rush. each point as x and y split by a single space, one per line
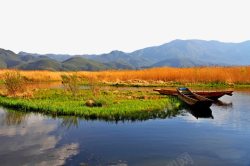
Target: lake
221 136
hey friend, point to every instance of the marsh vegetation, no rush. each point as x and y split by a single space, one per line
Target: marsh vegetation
114 105
165 76
96 101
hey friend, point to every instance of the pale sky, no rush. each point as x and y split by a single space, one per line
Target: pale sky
100 26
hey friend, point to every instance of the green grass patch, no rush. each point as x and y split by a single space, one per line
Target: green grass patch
116 105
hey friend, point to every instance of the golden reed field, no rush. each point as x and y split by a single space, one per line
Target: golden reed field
166 74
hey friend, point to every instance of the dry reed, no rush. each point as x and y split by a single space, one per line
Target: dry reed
166 74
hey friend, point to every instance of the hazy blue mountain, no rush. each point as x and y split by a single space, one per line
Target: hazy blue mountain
197 52
26 61
177 53
58 57
183 53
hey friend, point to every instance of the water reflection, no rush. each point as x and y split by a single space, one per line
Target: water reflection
12 117
69 121
35 139
201 112
223 104
205 112
28 139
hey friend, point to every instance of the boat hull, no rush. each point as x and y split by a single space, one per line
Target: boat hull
214 95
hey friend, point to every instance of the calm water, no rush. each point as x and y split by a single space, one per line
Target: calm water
223 138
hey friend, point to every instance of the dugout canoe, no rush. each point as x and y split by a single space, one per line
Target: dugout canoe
193 99
214 95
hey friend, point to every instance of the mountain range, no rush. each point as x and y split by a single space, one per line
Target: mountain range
177 53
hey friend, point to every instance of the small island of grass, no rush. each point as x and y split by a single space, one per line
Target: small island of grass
112 104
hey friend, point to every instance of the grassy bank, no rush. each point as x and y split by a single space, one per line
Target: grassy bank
116 105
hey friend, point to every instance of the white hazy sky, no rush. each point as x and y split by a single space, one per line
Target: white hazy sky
98 26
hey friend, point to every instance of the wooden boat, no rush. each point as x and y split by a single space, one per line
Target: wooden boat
214 95
193 99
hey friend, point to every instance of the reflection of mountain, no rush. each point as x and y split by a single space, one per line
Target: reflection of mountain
27 139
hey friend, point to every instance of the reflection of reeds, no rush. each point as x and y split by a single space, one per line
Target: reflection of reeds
182 75
12 117
69 121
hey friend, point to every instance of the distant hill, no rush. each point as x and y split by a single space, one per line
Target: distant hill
26 61
180 62
57 57
9 59
177 53
119 57
79 63
42 64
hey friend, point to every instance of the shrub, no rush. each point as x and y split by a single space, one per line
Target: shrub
94 87
14 83
71 83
